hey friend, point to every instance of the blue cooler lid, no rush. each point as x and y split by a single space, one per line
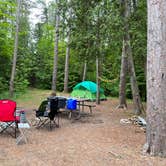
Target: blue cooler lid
71 104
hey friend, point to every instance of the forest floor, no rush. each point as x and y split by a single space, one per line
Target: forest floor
97 140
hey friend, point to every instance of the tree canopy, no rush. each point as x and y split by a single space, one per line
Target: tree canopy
96 30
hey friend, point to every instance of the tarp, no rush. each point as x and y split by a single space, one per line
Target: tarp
87 89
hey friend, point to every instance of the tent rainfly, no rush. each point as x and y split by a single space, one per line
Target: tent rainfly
87 89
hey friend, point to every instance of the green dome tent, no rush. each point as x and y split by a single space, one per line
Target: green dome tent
87 89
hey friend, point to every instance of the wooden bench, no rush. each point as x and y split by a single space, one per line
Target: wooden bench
87 105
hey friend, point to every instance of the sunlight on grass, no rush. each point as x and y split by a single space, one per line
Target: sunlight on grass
32 98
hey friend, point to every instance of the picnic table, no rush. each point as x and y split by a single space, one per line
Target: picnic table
81 104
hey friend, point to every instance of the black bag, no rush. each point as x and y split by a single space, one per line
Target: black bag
53 107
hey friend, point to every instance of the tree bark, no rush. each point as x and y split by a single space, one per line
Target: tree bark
67 65
123 74
11 87
98 57
98 80
55 66
84 72
127 56
138 107
156 79
134 2
124 58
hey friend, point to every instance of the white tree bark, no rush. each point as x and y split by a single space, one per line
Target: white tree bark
11 87
98 80
67 64
55 66
156 78
84 72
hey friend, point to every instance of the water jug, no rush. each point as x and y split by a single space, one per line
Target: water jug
22 117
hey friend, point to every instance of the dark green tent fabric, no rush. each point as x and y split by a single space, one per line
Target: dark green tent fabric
87 89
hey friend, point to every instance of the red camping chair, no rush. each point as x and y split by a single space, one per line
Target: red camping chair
8 116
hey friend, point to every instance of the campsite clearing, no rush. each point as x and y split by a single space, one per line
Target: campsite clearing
97 140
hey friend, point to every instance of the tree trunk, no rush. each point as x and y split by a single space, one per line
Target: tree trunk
156 79
124 58
98 80
127 56
134 3
123 74
138 107
84 72
67 65
55 67
11 88
98 53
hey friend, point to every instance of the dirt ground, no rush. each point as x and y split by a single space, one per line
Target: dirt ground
97 140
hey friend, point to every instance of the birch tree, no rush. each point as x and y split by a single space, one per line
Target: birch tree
98 80
11 87
55 66
84 71
68 20
67 63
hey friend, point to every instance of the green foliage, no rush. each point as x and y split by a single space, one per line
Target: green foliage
3 84
138 32
141 80
7 8
21 85
96 31
111 87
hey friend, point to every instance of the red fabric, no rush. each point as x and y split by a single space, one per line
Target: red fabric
7 110
17 118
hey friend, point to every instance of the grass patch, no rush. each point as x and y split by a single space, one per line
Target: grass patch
30 98
5 95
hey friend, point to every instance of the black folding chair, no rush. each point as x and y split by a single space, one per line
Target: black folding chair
48 113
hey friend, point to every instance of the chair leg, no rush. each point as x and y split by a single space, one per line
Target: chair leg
15 132
70 114
16 127
49 122
9 124
41 123
50 125
4 128
58 120
58 117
